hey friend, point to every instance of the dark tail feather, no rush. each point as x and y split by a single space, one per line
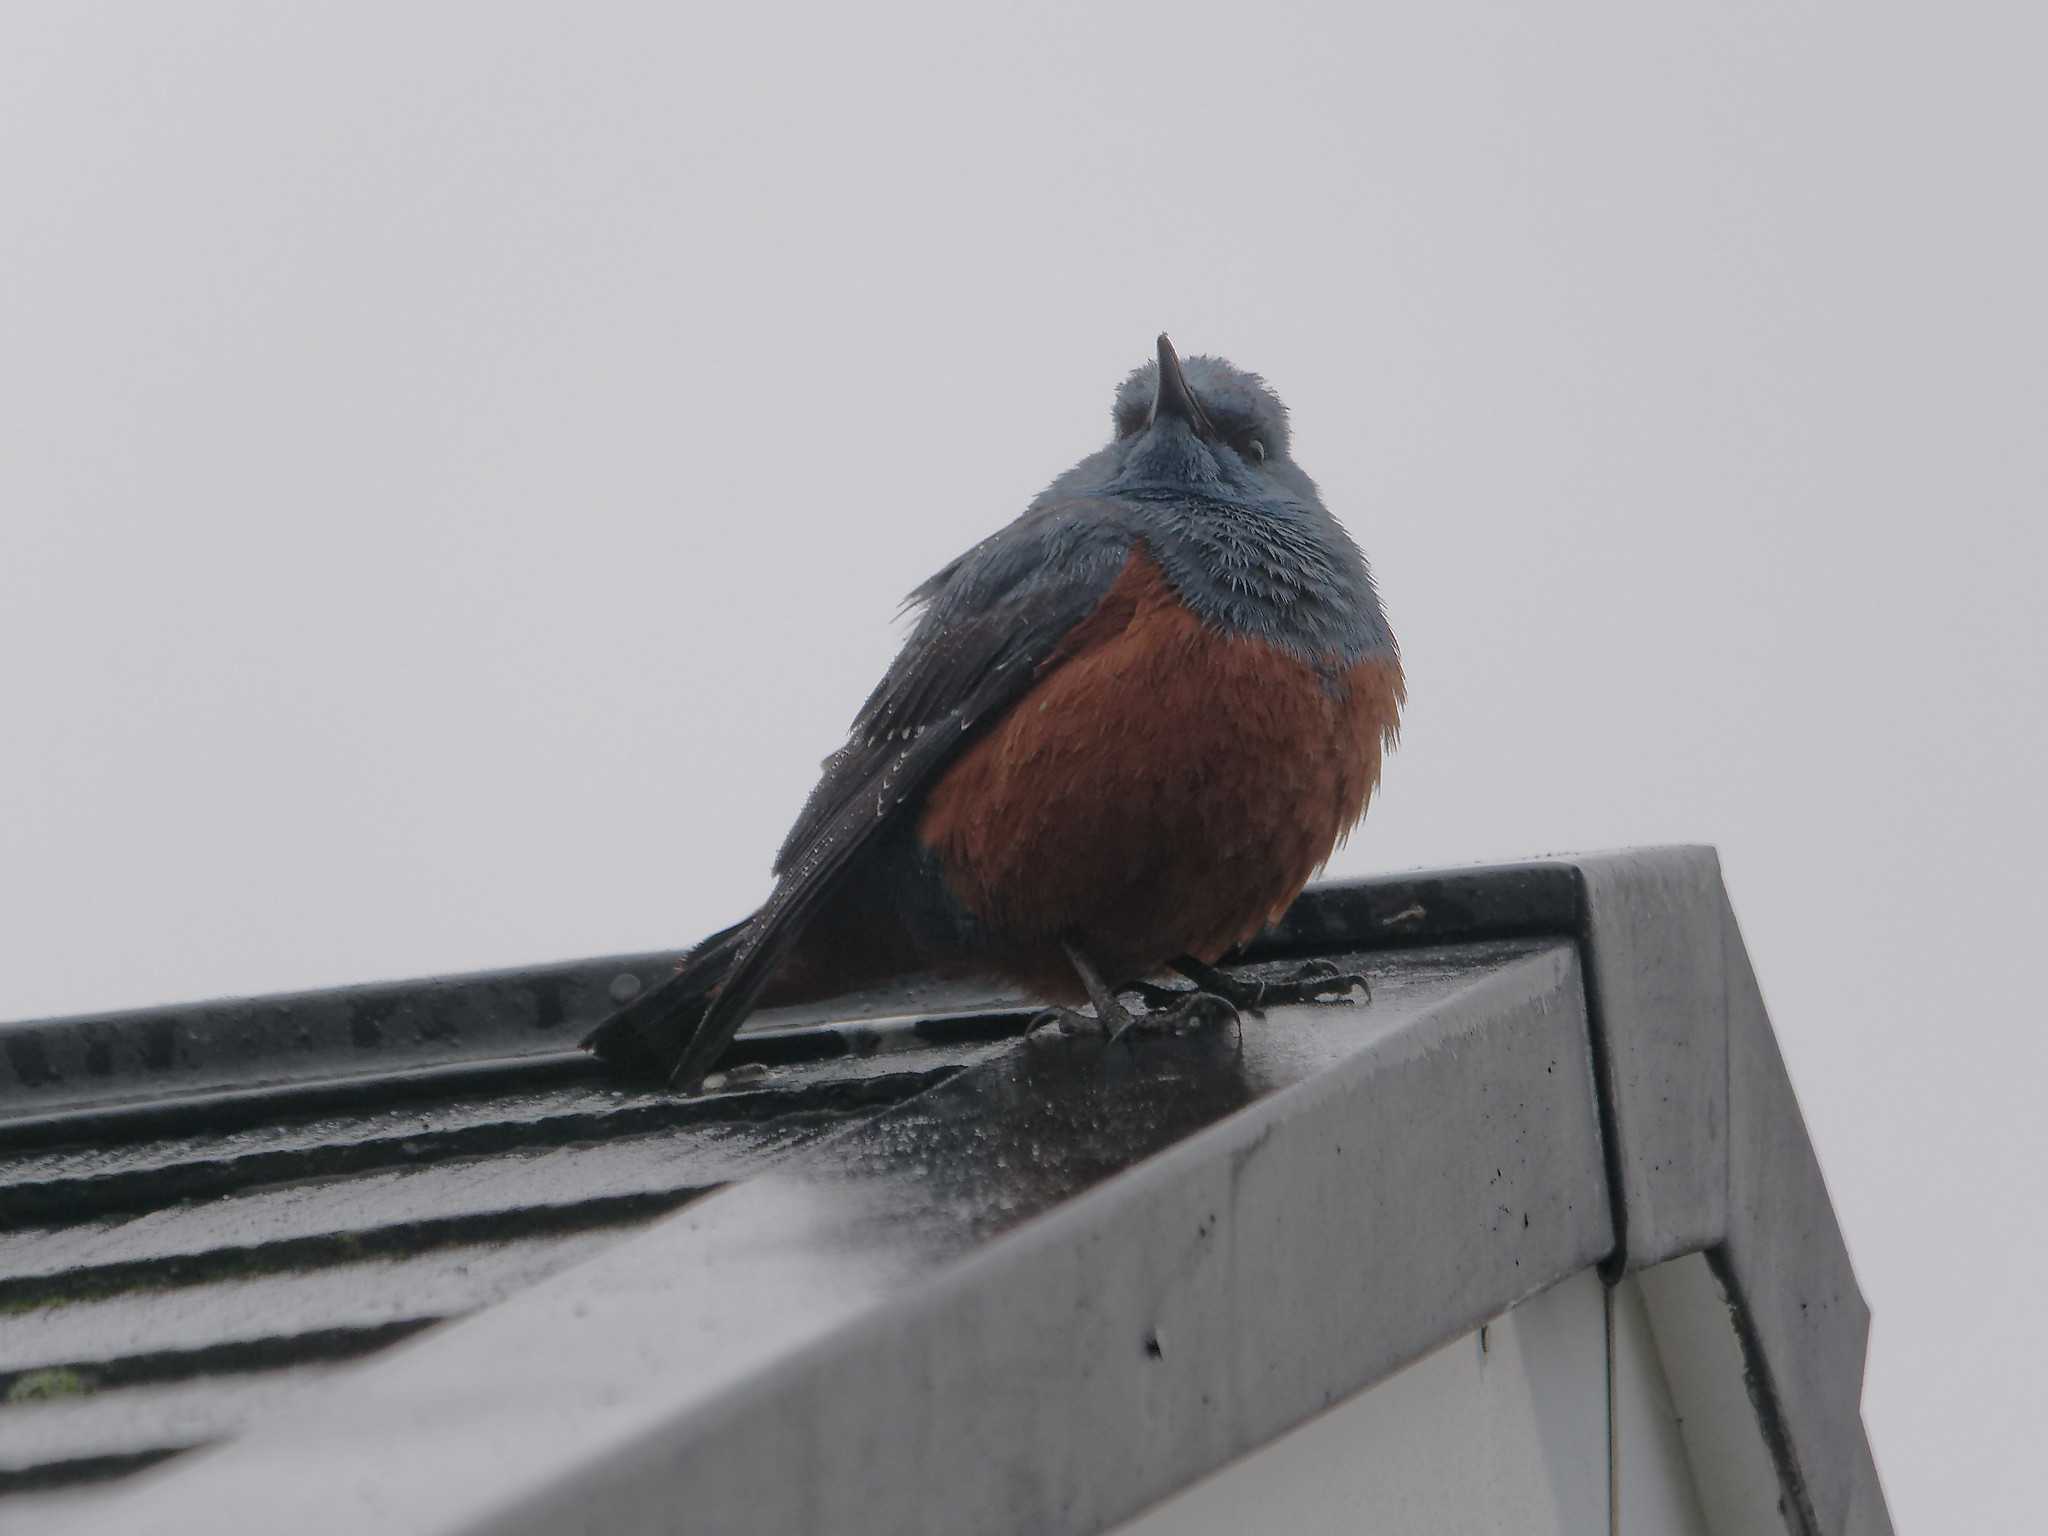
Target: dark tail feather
680 1028
648 1036
757 949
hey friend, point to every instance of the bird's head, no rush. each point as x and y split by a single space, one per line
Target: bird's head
1204 425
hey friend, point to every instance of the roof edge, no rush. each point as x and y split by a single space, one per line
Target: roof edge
1708 1153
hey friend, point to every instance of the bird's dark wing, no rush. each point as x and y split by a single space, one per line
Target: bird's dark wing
992 621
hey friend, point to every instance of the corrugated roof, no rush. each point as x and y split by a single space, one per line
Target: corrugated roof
212 1217
173 1265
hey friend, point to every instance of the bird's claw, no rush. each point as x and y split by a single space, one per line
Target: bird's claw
1316 981
1320 981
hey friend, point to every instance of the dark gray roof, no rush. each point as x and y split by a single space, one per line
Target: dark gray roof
900 1260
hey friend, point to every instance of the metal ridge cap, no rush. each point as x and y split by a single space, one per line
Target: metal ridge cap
333 1032
377 1028
347 991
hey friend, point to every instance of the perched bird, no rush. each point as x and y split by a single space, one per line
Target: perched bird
1123 734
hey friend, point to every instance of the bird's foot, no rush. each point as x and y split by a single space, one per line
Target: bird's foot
1110 1018
1168 1011
1188 1011
1155 997
1317 981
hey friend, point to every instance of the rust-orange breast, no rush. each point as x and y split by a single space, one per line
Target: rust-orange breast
1166 788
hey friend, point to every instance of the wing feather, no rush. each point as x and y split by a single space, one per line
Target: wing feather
992 620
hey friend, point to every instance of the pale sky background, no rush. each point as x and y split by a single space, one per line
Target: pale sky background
460 462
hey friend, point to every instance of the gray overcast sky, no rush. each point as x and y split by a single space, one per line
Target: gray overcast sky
460 464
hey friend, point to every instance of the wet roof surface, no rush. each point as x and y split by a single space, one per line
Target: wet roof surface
160 1291
205 1211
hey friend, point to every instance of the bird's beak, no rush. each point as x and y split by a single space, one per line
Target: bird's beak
1174 398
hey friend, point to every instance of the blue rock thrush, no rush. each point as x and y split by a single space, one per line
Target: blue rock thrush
1124 733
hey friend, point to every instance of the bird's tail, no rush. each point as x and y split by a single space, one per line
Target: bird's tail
650 1034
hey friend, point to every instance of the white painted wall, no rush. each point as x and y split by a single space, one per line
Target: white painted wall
1505 1430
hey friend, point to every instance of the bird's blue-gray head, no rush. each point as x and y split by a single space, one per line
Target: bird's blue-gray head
1201 469
1204 426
